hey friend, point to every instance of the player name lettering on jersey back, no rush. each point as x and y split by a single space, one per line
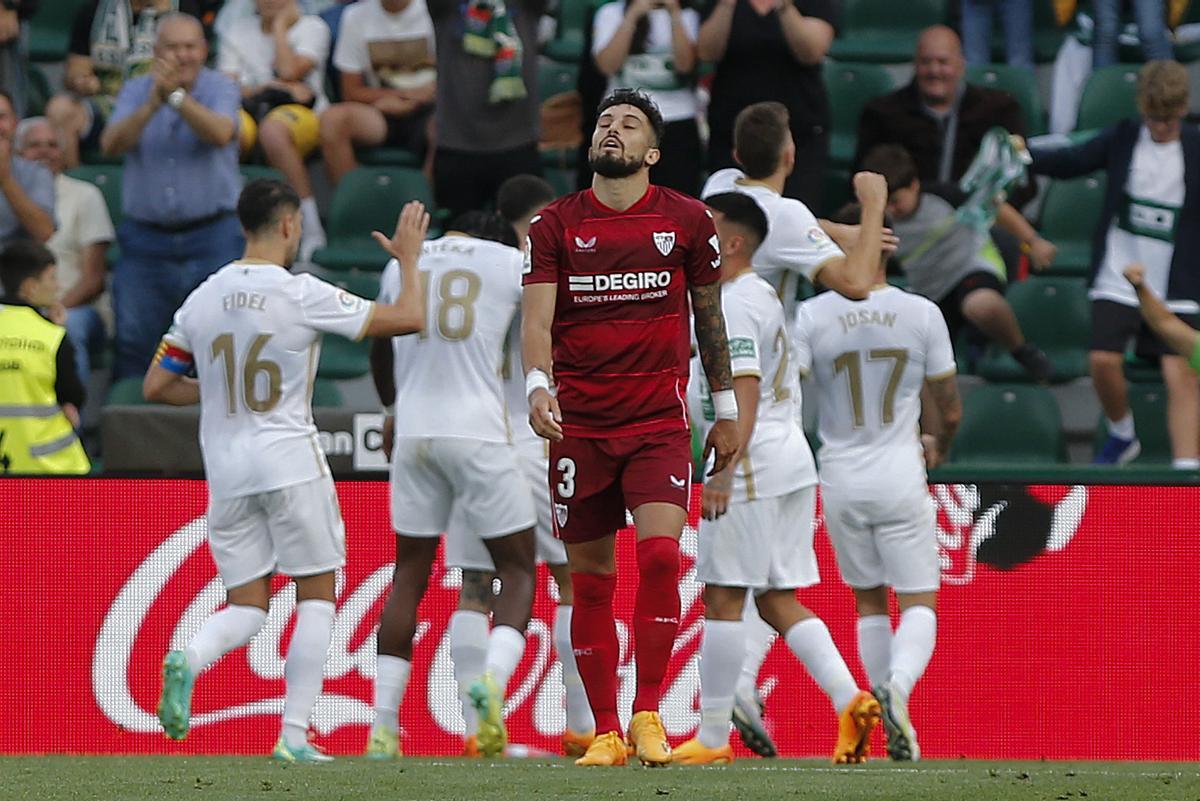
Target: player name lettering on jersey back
245 300
867 317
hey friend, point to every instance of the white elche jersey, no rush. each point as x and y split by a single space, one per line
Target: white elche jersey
778 460
870 359
254 332
795 245
448 377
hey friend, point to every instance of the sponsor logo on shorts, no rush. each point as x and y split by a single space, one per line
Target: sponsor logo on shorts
560 514
678 483
664 241
671 620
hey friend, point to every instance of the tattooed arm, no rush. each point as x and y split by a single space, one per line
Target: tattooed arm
941 414
714 353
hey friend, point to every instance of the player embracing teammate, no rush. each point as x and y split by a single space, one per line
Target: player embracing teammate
605 345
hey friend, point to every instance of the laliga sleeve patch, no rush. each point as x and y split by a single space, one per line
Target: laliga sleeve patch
817 236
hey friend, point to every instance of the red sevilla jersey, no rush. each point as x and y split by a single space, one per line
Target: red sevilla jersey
620 332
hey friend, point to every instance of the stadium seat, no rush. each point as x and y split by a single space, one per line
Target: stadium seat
252 172
342 359
326 393
850 87
881 32
1010 424
50 29
1055 314
1018 82
127 392
1148 402
1108 97
108 178
569 34
387 157
368 199
1070 214
37 90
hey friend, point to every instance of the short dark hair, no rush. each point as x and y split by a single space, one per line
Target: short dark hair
760 132
263 202
485 225
894 163
741 209
520 195
22 259
642 102
851 214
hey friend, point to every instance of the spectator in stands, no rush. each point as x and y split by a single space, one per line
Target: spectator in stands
1017 18
40 394
951 262
278 56
651 45
79 244
13 16
487 101
177 128
1151 217
384 52
1151 26
111 42
771 50
938 117
26 188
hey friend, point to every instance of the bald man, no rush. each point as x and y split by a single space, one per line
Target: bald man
938 117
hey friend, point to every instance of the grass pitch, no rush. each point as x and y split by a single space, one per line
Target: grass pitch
220 779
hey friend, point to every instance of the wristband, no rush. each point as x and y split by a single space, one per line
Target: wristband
536 379
725 404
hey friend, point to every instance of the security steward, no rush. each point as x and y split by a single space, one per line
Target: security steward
40 393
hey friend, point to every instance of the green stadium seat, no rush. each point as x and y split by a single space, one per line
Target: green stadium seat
850 87
326 393
569 34
342 359
368 199
387 157
1108 97
37 90
881 32
1010 424
127 392
1055 314
1070 214
1148 402
1018 82
50 29
252 172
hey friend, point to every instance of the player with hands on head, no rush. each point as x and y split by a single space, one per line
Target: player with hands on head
608 275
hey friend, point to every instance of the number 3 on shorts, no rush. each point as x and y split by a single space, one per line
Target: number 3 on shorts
566 487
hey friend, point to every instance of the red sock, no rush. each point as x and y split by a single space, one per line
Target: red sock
655 617
594 639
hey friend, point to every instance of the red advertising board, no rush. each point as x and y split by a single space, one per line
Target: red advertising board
1067 629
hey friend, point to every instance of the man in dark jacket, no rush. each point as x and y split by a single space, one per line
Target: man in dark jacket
938 117
1151 217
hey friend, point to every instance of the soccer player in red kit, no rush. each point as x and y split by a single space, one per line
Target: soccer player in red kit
604 337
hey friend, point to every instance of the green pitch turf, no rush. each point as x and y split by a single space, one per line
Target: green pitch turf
219 778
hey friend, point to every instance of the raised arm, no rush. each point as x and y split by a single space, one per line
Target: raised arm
537 317
611 57
808 38
714 31
1180 336
854 275
714 354
407 314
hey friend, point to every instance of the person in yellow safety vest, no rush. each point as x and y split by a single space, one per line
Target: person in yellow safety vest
40 392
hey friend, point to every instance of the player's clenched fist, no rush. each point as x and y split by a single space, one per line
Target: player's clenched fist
871 189
723 442
545 416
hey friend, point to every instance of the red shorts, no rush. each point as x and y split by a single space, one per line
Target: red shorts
593 481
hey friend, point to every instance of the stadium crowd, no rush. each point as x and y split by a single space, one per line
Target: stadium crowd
131 172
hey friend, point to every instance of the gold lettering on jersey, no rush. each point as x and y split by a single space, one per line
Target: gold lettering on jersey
867 317
245 300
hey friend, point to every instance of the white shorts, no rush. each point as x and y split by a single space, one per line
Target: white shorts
764 544
478 483
296 530
884 541
468 552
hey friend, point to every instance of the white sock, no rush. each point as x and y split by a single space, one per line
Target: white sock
1185 464
721 657
912 646
230 628
312 219
759 639
1122 428
391 677
468 652
579 711
505 648
304 669
810 642
875 647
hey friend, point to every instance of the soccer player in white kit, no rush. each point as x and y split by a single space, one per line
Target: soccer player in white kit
517 201
757 531
252 332
870 360
453 459
797 244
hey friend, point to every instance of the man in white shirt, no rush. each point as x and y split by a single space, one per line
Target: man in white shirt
252 333
880 353
79 244
454 466
757 531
